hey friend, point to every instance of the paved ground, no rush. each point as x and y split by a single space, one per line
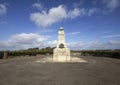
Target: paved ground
26 71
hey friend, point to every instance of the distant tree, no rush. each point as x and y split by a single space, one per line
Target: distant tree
33 48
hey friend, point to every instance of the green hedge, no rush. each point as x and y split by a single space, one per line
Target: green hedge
100 53
36 51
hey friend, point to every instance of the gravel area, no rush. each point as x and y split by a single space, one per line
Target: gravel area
26 71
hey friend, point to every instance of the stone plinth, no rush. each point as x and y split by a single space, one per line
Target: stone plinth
61 54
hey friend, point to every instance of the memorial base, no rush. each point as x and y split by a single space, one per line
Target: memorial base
61 54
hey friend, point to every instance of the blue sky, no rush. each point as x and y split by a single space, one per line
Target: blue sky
88 24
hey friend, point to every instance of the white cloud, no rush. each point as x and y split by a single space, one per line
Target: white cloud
107 32
94 45
114 42
3 9
78 3
92 11
45 19
111 36
111 5
75 13
73 33
52 43
89 45
57 14
23 41
27 38
38 6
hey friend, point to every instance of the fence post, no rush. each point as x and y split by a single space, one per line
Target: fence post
5 55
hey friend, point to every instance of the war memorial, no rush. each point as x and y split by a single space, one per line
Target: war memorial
61 52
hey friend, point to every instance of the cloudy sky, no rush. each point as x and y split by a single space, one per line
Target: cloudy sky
88 24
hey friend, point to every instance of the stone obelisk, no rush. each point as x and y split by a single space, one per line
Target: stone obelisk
61 52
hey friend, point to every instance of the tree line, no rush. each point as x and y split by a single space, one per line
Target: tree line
28 52
100 53
48 50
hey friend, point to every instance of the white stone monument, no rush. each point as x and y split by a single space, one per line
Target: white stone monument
61 52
